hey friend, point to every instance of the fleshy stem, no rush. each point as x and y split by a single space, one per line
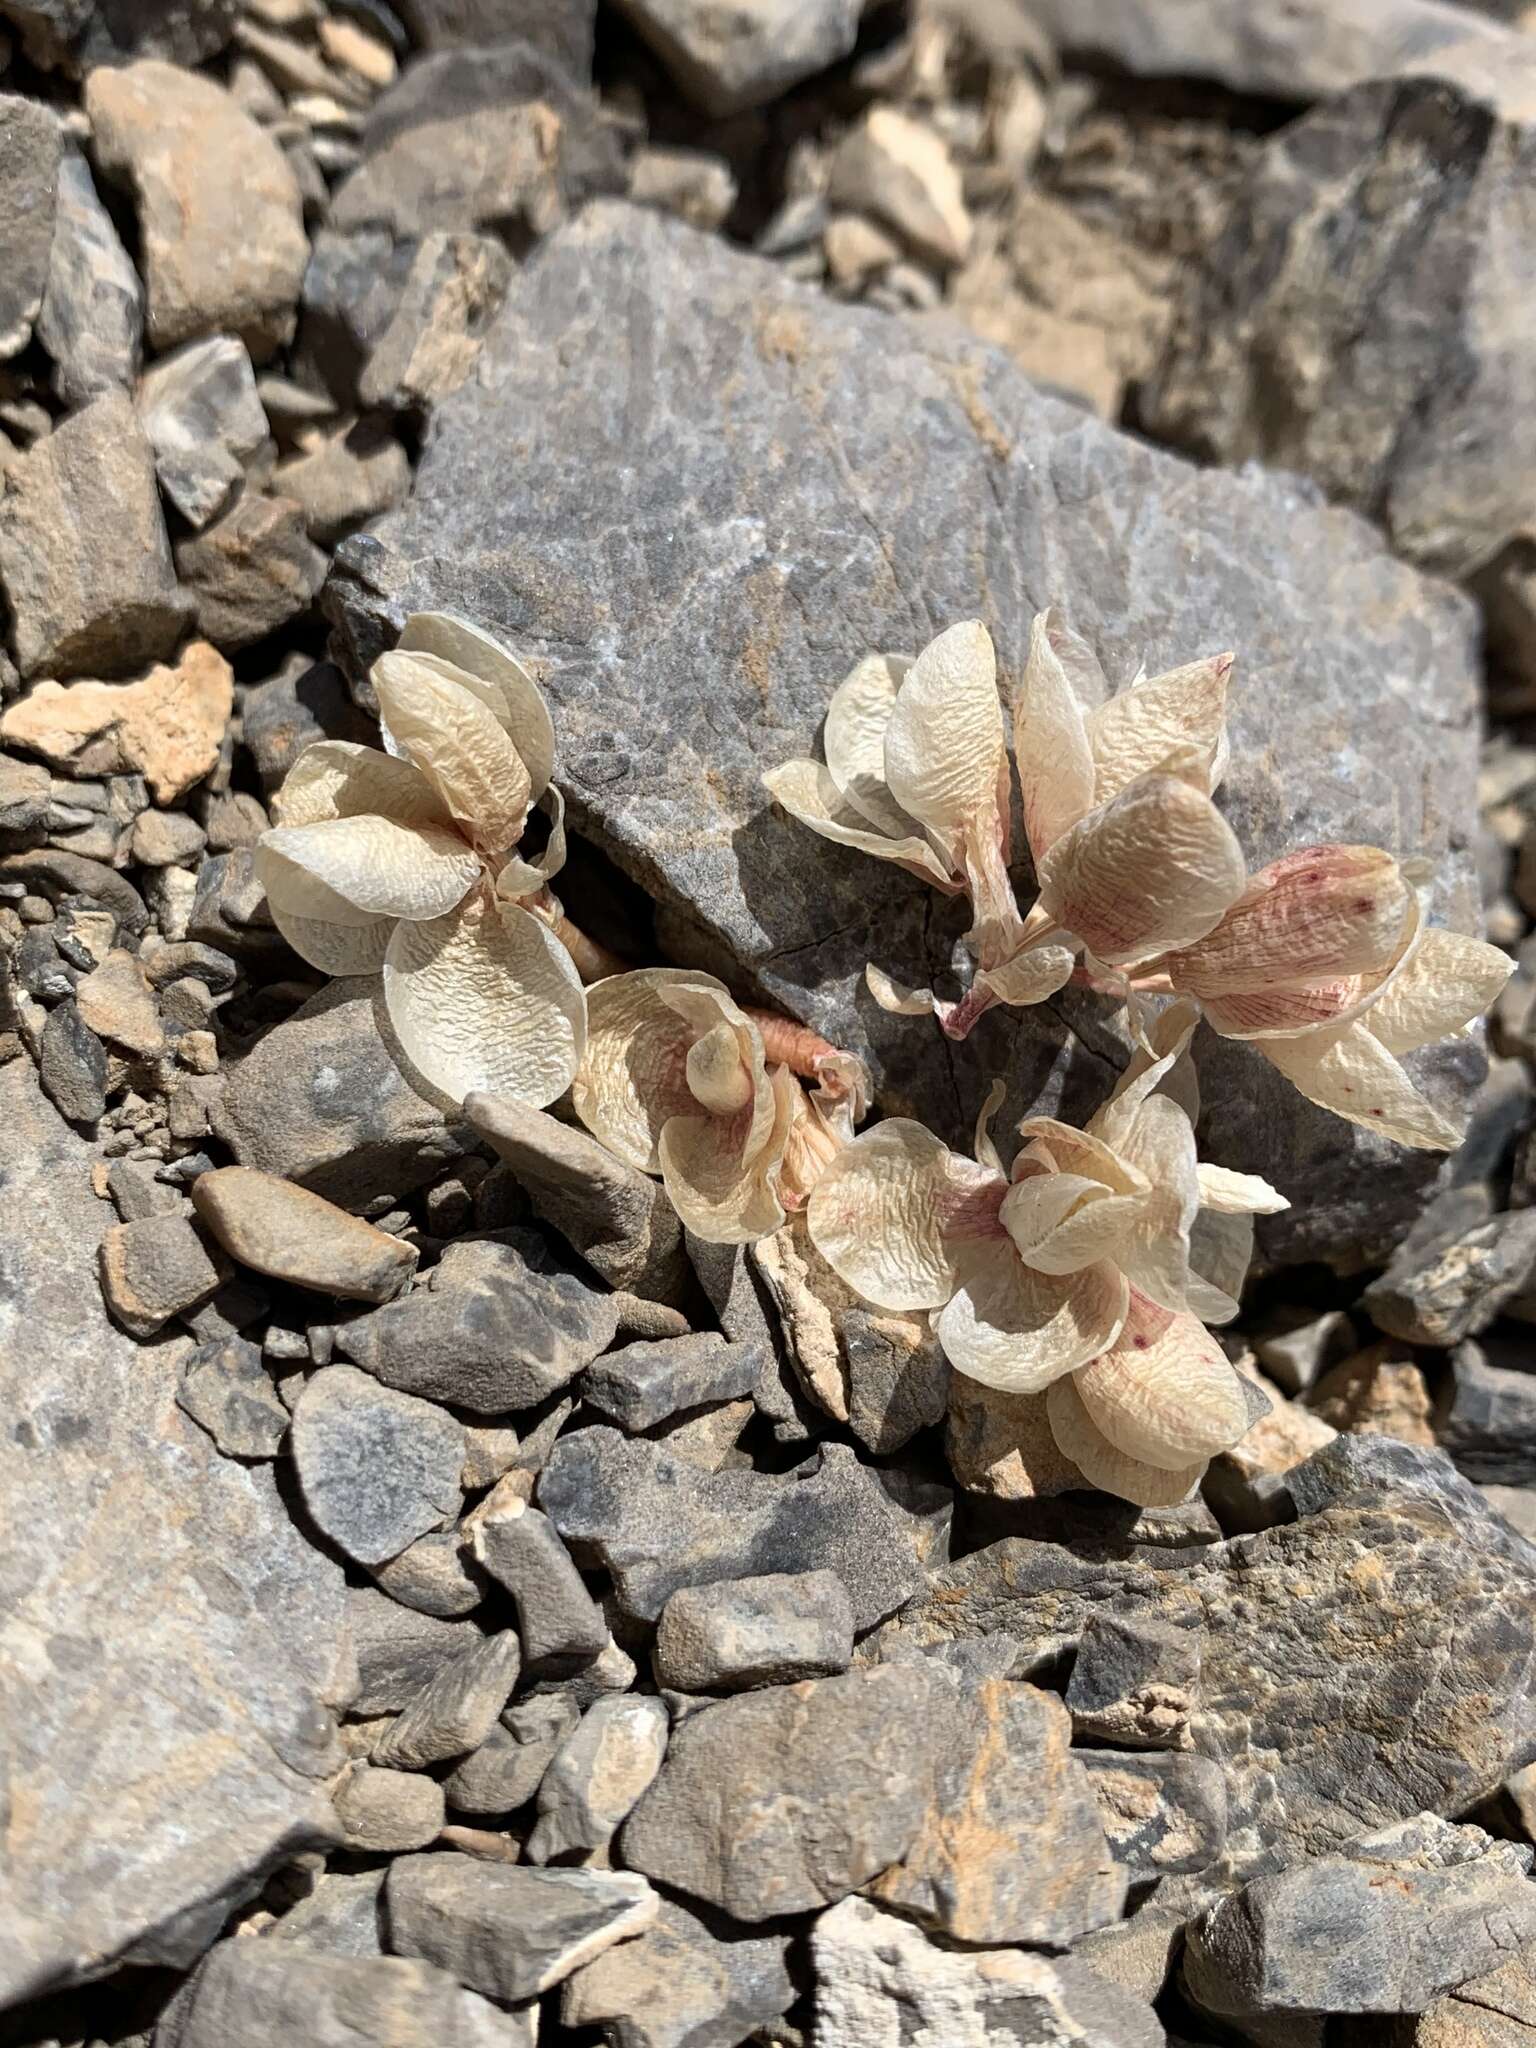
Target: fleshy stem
593 962
786 1043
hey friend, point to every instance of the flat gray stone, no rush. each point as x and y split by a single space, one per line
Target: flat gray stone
1440 1292
558 1620
155 1269
204 421
340 1915
508 1767
399 1650
385 1812
507 1932
251 571
432 341
72 1065
1485 1416
740 1633
1135 1682
434 1576
561 29
595 1778
644 1384
31 145
657 1523
454 1711
92 317
130 1543
1385 1926
1164 1814
728 59
681 1986
378 1468
227 1390
931 482
786 1800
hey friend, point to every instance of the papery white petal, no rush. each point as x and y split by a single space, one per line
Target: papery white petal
378 867
1016 1329
724 1189
634 1075
457 741
1061 1222
1050 740
853 740
1154 1255
1220 1253
807 792
1075 1151
1159 1063
888 1211
353 948
982 1147
1449 980
1079 1437
1351 1073
895 998
1166 1393
339 779
1318 914
486 999
718 1077
944 749
1136 731
1029 977
519 704
521 877
1238 1194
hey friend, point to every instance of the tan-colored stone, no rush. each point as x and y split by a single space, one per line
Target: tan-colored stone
285 1231
1378 1392
118 1004
1001 1444
901 172
167 726
855 246
1280 1439
345 43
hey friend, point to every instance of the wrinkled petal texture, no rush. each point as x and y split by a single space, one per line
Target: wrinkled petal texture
634 1075
807 791
521 877
1449 980
853 741
888 1212
1013 1328
334 948
722 1181
1136 732
1061 1222
944 750
1159 1143
1079 1438
1029 977
486 999
1319 914
1352 1073
1050 741
1154 868
455 738
340 779
379 868
1238 1194
1165 1393
517 701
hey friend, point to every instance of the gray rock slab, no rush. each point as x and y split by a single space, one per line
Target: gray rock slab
399 1649
227 1390
644 1384
341 1914
508 1767
739 1633
432 341
130 1543
454 1711
385 1812
557 1618
1164 1813
31 145
595 1778
320 1101
880 1981
204 421
1440 1292
662 387
378 1468
155 1269
1485 1416
1134 1683
251 571
657 1523
728 59
681 1986
92 317
1410 1648
1398 1918
507 1932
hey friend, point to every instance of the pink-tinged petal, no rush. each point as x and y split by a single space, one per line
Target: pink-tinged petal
1154 868
1320 914
1160 1144
1013 1328
1449 980
339 779
1138 730
634 1076
1050 740
1073 1151
506 686
1159 1064
895 998
853 740
807 791
1351 1073
1079 1438
1060 1222
889 1212
1166 1394
1220 1253
722 1185
1029 977
945 757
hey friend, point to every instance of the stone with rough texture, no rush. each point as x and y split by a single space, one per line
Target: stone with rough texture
378 1468
595 1778
681 1986
1496 2011
452 291
130 1544
293 1234
658 1523
454 1711
167 726
1001 1444
556 1616
864 483
618 1218
384 1812
1387 1925
320 1101
221 223
72 1065
251 1994
508 1767
741 1633
204 421
251 571
155 1269
225 1389
1378 1392
730 58
561 29
1163 1814
881 1983
339 1915
433 1576
1442 1287
1011 1848
344 478
499 1326
1486 1414
1134 1682
31 148
84 558
726 1821
63 35
116 1002
92 317
644 1384
505 1932
399 1651
1411 1645
303 702
899 170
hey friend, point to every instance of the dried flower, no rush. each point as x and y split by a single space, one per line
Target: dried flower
405 861
1096 1249
1324 964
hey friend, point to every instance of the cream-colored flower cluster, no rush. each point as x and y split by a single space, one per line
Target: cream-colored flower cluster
1087 1271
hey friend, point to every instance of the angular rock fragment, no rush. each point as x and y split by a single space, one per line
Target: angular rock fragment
644 1384
1162 1814
226 1389
900 171
84 558
116 1002
251 571
1386 1925
561 29
344 478
399 1651
681 1986
303 702
1135 1682
167 726
220 220
508 1767
880 1979
1438 1293
595 1778
433 1576
1002 1444
72 1065
505 1932
1486 1414
964 463
1377 1392
204 421
557 1618
618 1218
741 1633
92 317
155 1269
785 1800
730 59
378 1468
657 1523
352 289
455 285
501 1326
31 146
454 1711
385 1812
293 1234
340 1915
